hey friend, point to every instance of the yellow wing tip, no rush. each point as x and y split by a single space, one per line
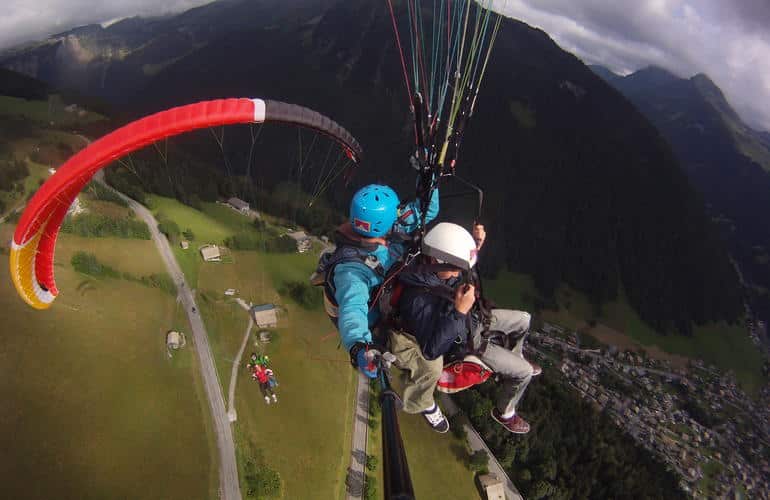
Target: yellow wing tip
22 262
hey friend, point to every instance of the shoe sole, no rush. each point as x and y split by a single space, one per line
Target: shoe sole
435 429
491 413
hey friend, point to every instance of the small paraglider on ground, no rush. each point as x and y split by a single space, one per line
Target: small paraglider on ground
261 373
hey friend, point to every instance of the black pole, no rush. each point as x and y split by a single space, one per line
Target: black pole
398 482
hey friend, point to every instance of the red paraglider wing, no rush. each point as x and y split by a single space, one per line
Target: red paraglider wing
34 240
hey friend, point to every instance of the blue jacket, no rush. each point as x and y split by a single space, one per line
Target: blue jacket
354 282
427 312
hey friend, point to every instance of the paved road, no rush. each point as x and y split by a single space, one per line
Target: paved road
476 443
355 479
229 488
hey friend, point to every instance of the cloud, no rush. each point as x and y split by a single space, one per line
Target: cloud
26 20
729 41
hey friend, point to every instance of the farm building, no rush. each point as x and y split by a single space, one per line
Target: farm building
239 204
184 244
211 253
492 486
264 315
175 340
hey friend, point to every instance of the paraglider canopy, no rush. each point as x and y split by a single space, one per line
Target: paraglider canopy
34 241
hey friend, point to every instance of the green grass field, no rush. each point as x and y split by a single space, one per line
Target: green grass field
435 460
52 110
92 405
207 229
306 436
212 226
37 172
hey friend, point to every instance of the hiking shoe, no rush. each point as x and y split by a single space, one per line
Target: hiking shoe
536 369
436 419
462 374
515 424
267 399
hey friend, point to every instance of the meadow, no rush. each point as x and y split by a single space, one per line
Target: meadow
92 405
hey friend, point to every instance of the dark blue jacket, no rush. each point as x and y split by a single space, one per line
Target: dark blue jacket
426 311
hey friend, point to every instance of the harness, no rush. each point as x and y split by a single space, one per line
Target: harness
324 274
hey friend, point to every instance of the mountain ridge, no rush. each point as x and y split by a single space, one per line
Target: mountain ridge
726 160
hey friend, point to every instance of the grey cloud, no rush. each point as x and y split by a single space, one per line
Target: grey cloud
26 20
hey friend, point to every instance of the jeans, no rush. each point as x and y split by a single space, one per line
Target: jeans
510 364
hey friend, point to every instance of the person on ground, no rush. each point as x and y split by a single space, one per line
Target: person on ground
262 374
369 245
438 312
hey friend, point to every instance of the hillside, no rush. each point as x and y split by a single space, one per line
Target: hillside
584 162
727 161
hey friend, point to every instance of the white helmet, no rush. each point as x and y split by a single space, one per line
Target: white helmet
451 244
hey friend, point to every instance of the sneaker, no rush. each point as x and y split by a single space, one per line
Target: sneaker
536 369
267 399
275 398
515 424
462 374
436 419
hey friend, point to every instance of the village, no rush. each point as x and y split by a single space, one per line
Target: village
696 420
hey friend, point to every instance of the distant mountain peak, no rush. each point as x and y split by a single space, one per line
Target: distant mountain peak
604 72
653 76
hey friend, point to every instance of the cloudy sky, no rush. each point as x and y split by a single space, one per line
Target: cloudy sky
729 40
24 20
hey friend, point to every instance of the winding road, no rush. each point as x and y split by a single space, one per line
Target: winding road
229 488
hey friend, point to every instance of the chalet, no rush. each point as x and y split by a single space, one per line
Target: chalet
302 239
264 315
239 205
492 486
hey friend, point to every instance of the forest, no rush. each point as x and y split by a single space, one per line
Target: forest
572 451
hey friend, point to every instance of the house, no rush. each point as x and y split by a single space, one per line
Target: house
184 244
230 292
264 315
303 240
492 486
210 253
239 205
175 340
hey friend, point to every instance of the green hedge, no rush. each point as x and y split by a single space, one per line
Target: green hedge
87 263
100 226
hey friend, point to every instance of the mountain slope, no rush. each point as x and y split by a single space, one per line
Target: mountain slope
580 188
725 159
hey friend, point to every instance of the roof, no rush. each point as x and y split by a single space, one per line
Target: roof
297 235
487 480
493 486
210 252
238 203
265 316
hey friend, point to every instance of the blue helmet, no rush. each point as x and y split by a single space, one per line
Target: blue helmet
374 210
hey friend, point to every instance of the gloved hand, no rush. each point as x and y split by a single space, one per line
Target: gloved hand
363 358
